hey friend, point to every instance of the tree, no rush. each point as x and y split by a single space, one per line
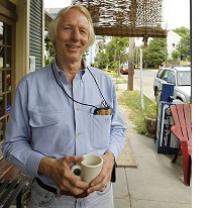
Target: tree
131 64
155 53
184 47
175 55
50 51
182 31
101 60
112 54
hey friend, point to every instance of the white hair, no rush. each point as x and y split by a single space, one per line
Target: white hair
54 23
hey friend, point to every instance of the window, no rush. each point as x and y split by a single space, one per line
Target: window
5 75
164 75
160 72
184 78
171 77
168 76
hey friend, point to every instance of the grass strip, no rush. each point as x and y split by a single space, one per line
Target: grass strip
131 99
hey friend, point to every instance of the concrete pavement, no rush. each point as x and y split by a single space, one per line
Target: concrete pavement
155 183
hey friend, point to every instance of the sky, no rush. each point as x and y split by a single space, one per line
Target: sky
175 13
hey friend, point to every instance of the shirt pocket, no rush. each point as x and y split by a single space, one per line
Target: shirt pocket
101 131
45 125
44 119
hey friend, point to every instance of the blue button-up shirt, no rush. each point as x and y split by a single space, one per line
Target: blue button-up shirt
45 122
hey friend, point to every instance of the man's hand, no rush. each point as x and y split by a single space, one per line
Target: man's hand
59 171
100 182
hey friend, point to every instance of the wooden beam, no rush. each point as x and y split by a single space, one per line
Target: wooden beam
7 13
131 32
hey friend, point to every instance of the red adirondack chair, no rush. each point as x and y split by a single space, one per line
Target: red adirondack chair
182 129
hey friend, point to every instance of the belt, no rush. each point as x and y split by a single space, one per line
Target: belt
46 187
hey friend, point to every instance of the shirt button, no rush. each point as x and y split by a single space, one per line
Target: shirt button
78 134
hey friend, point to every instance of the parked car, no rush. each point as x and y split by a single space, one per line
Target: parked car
178 76
124 69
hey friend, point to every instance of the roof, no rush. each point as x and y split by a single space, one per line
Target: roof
179 68
182 68
48 19
131 18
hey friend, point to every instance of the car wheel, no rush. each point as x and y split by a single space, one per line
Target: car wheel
179 100
156 92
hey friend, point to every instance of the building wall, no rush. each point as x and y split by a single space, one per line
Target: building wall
28 36
21 40
36 33
173 39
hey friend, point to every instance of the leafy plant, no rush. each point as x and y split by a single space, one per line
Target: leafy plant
155 53
112 54
184 47
50 51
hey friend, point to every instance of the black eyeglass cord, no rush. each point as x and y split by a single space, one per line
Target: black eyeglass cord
104 103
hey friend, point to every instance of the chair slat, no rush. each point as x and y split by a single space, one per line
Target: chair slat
176 121
187 111
181 116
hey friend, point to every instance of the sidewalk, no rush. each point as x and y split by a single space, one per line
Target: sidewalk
155 183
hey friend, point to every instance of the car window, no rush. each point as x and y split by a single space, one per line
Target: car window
171 77
184 78
159 73
164 75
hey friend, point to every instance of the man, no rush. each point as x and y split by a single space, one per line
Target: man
56 119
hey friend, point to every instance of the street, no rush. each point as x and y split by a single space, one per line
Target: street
148 79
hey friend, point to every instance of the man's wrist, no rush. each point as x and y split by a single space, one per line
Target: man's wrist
110 154
45 166
114 165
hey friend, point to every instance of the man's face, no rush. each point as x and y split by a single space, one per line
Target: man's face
72 36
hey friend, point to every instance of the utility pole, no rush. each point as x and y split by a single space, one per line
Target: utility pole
131 65
141 79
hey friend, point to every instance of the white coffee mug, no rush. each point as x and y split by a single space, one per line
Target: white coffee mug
89 168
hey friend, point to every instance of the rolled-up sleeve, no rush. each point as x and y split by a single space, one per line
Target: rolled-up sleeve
17 145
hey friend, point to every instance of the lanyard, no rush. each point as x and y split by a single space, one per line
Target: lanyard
103 103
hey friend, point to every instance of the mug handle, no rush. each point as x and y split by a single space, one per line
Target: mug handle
76 170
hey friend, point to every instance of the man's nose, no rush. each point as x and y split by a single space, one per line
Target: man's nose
75 35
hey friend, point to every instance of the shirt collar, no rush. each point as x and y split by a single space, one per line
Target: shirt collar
80 74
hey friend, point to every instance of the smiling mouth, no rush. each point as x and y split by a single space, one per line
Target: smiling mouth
72 47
